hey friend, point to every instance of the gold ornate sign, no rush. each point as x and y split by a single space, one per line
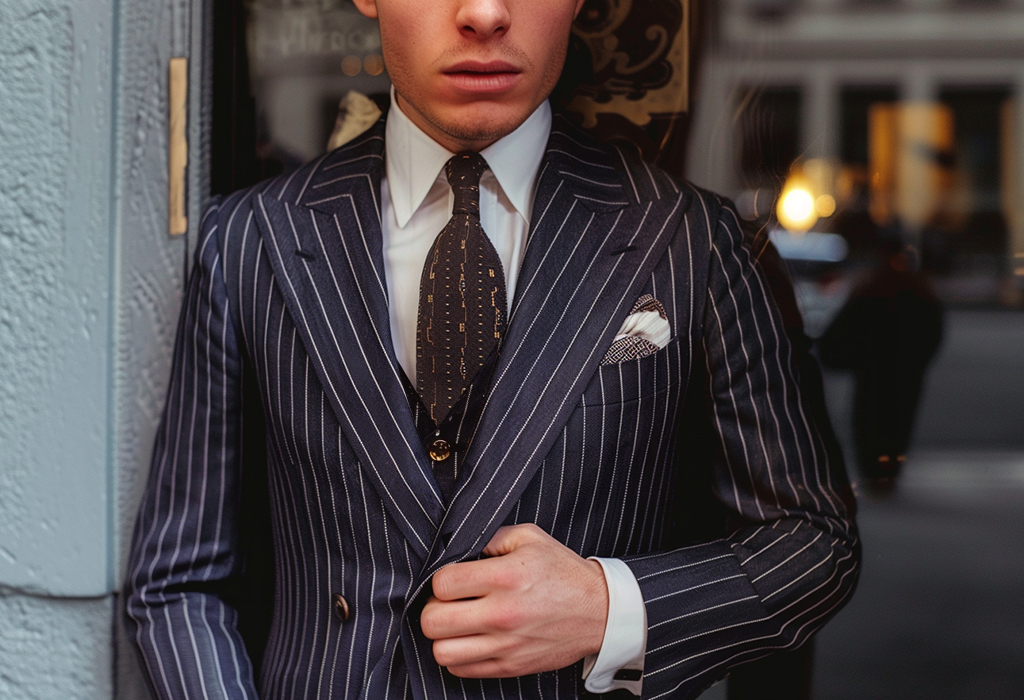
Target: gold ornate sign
639 52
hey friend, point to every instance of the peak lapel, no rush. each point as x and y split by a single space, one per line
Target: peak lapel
323 235
591 248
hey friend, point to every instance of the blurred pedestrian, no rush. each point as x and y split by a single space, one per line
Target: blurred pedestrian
887 334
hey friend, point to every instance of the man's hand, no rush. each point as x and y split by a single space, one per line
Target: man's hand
533 606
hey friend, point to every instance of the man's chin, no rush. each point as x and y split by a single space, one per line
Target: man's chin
470 125
478 134
482 128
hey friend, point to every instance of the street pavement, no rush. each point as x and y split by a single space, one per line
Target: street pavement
939 611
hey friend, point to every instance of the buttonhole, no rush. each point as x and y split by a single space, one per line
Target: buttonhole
620 251
446 537
304 255
628 674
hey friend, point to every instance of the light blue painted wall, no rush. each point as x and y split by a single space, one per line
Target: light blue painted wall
90 285
56 294
55 243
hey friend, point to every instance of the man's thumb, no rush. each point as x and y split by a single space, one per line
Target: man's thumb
511 537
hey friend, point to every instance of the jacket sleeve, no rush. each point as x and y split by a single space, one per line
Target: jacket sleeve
185 548
792 557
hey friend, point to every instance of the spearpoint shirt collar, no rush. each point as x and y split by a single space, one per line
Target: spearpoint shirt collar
414 161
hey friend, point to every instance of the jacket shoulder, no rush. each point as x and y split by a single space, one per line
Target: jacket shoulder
642 181
361 154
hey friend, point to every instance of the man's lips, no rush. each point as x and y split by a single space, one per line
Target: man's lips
480 77
481 67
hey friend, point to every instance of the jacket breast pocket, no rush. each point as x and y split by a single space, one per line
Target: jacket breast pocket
624 382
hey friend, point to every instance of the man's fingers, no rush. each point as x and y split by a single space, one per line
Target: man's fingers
473 579
445 620
489 668
464 651
511 537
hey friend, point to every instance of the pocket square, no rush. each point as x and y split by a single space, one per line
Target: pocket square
645 331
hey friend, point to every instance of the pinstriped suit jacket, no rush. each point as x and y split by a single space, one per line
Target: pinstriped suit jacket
286 310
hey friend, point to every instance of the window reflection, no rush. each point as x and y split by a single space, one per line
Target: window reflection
305 56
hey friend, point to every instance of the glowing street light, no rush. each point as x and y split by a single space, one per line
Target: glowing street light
796 210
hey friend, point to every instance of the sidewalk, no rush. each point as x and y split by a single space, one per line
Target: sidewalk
939 612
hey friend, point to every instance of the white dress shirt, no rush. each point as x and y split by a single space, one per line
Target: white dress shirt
416 203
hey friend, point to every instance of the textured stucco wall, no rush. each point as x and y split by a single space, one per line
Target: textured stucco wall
54 295
55 649
58 261
90 285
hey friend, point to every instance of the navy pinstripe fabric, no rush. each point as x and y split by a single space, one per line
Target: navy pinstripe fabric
287 307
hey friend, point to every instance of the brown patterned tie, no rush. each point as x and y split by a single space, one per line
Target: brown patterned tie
462 296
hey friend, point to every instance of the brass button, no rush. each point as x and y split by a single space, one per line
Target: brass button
341 607
440 450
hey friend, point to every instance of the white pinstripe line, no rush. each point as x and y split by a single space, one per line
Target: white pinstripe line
373 573
806 573
745 623
355 553
312 172
773 324
350 161
702 611
654 184
362 351
523 291
328 183
750 388
568 137
561 479
588 163
665 572
629 173
762 549
217 667
337 527
736 411
312 527
600 201
705 584
598 183
579 478
603 527
789 558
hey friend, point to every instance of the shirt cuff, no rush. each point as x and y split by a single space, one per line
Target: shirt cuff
620 662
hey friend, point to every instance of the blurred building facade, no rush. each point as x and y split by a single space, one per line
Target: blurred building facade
908 113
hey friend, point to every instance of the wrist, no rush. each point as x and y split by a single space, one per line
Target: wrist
598 593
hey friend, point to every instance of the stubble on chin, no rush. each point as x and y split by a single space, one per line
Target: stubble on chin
470 126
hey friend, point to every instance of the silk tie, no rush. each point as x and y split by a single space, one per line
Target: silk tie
462 296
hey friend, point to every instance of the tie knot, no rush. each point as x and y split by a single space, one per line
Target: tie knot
464 171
